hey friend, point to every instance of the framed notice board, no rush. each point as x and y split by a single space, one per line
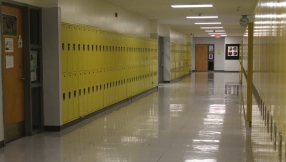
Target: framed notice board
232 52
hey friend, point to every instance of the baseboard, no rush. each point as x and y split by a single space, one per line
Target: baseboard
52 128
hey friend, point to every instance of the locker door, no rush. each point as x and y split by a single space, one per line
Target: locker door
89 91
79 48
65 98
70 98
93 92
74 48
85 93
64 49
69 49
75 96
84 48
80 93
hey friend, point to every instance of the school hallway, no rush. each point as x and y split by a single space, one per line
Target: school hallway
197 119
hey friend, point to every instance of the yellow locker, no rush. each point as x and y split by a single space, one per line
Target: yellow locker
75 55
93 92
93 50
85 93
84 48
102 88
75 94
80 93
89 92
89 49
69 49
70 97
79 48
65 103
64 48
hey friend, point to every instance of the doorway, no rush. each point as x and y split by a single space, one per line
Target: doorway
13 73
22 70
161 60
201 57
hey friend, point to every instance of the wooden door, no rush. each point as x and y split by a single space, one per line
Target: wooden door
201 57
12 56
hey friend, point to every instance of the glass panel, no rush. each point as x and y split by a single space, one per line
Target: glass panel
35 71
35 27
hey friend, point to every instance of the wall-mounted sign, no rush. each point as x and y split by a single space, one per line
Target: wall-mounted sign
9 45
9 61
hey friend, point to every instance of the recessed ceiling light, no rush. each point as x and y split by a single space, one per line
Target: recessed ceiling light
205 23
213 27
192 6
202 17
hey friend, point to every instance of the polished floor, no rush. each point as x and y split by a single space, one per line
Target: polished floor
198 119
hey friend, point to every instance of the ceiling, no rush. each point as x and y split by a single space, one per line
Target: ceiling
229 12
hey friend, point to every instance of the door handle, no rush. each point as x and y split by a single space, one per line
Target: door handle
22 78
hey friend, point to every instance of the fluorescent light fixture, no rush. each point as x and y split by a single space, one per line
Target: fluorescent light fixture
217 33
271 16
211 31
220 35
202 17
192 6
205 23
213 27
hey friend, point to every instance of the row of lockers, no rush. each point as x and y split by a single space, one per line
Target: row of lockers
89 91
87 48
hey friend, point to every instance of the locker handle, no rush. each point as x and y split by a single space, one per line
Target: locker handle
74 47
93 89
79 47
74 93
87 47
69 95
84 91
63 46
83 47
88 90
80 92
68 46
64 96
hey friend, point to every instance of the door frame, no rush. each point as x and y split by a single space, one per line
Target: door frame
28 85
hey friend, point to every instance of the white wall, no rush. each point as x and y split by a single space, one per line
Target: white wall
101 14
178 37
52 67
164 30
232 65
219 51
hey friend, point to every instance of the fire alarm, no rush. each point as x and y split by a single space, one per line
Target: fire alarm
116 14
